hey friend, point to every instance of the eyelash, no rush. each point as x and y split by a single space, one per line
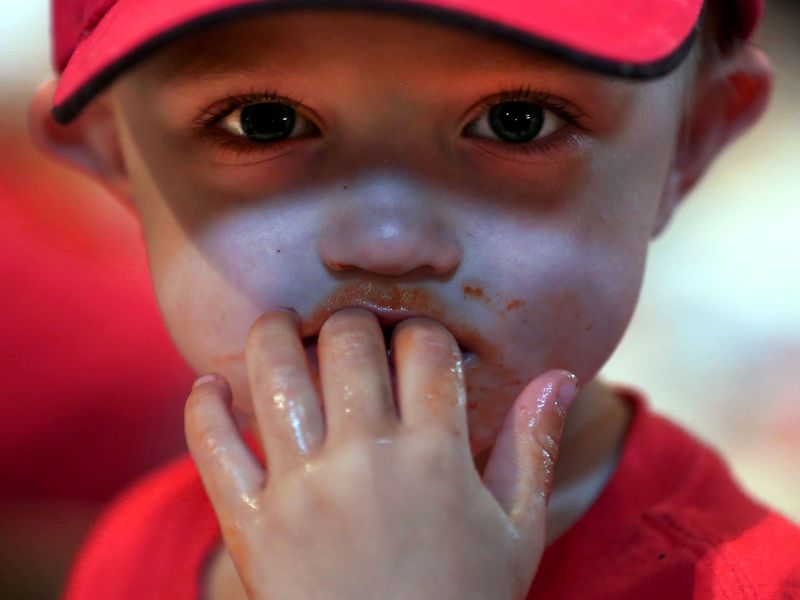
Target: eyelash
207 121
219 111
571 114
205 124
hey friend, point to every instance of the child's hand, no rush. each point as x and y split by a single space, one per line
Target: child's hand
361 502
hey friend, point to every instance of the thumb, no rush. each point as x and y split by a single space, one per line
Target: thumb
519 472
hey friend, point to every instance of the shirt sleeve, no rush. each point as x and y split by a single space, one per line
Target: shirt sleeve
153 543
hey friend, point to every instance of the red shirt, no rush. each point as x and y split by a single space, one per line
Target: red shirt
670 525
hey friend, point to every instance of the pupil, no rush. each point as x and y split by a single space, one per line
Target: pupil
268 121
516 122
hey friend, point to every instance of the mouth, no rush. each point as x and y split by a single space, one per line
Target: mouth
391 304
388 323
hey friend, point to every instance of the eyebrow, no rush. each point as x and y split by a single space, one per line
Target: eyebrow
189 68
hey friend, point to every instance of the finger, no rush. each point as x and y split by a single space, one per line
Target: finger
230 473
285 402
519 472
430 378
354 373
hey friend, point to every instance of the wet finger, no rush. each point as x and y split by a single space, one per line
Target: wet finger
430 378
285 402
230 473
520 469
354 374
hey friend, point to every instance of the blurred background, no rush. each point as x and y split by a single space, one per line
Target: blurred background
92 391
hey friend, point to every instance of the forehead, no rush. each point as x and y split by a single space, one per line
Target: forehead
308 38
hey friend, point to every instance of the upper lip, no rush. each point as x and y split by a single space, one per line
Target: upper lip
387 317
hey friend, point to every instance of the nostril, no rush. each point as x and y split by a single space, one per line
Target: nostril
388 270
393 249
339 266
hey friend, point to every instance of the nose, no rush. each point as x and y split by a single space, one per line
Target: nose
390 229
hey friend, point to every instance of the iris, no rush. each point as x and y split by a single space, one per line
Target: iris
268 121
516 122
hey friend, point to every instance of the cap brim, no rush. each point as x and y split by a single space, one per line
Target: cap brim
640 39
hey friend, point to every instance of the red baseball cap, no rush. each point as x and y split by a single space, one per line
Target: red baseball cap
96 40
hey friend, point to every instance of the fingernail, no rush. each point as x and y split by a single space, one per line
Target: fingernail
567 391
203 380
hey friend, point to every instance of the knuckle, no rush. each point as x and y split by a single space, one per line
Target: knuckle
364 467
211 440
206 436
359 460
434 454
202 427
548 448
548 454
548 444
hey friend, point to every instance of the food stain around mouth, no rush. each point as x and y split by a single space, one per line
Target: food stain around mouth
487 375
397 299
516 303
474 290
375 298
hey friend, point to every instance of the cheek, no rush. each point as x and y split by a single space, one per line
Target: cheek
210 289
586 311
568 282
570 312
217 264
207 317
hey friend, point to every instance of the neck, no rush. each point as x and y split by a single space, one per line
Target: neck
590 449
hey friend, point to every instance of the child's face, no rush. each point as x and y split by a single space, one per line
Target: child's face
396 192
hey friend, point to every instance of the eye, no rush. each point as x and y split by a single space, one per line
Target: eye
266 122
516 122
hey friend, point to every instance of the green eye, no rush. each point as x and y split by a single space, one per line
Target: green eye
516 122
267 121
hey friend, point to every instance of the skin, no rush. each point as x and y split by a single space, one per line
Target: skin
352 217
398 201
389 502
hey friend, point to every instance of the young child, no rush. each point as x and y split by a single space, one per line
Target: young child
473 185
